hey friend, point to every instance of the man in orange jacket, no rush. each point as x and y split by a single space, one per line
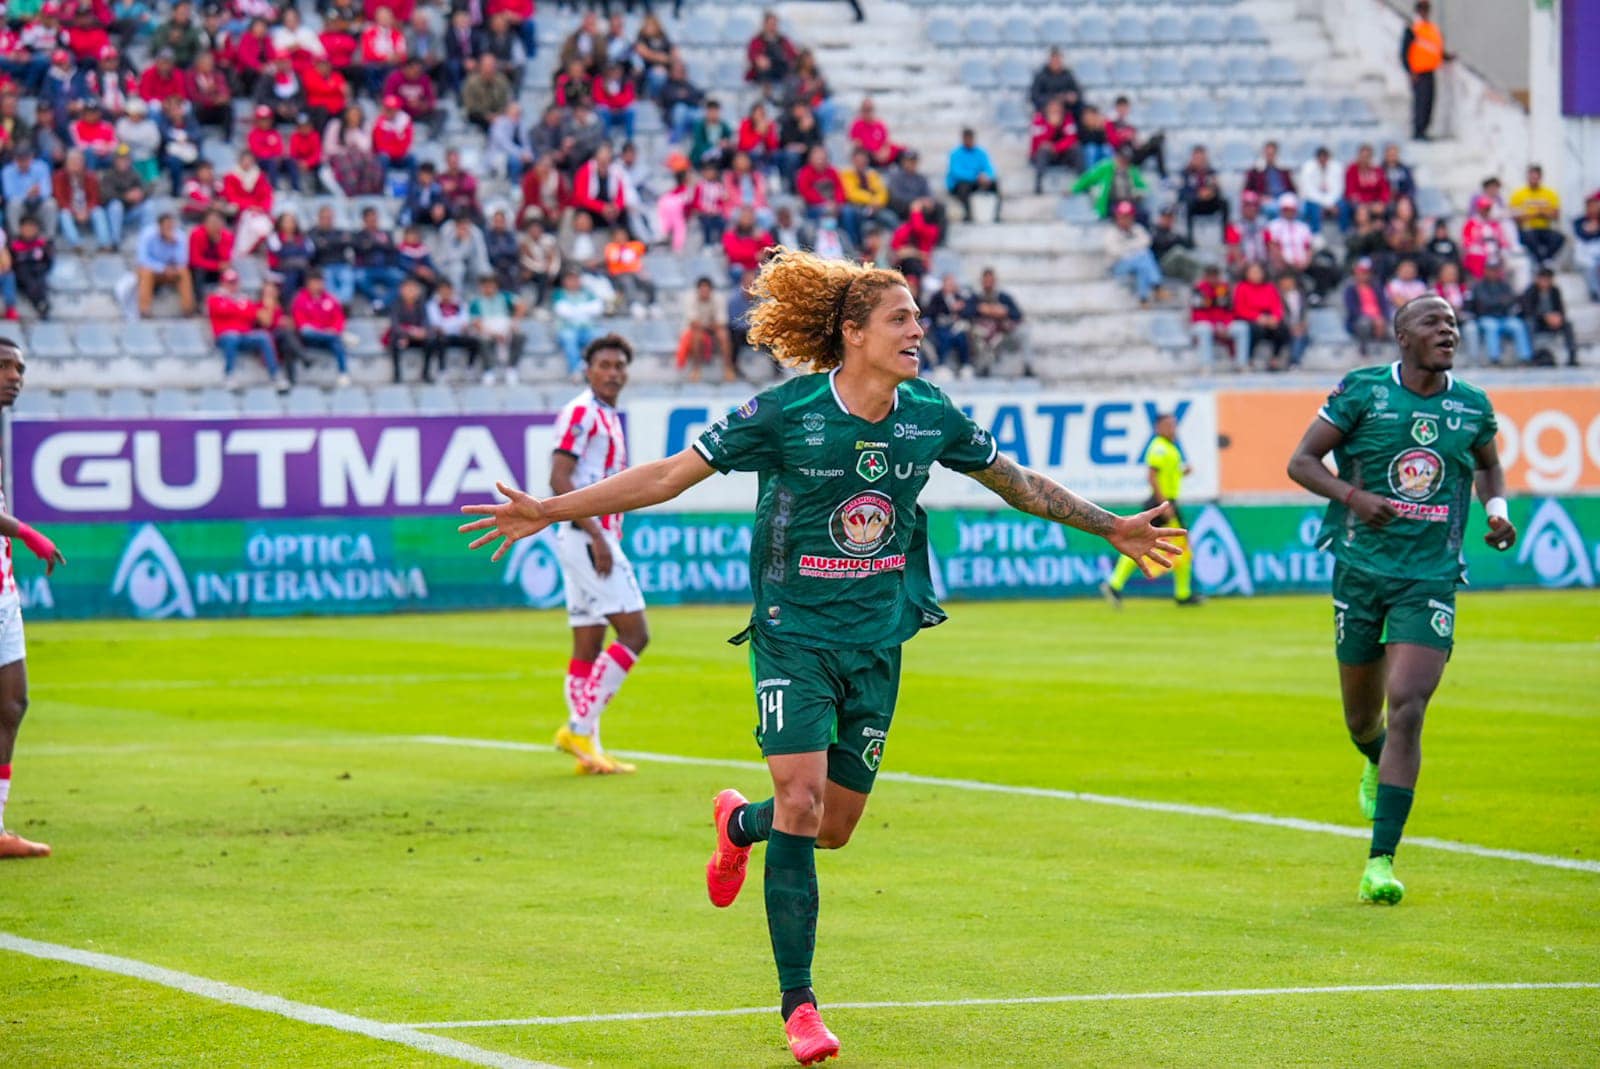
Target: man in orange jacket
1421 54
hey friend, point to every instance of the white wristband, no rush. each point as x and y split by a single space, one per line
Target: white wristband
1496 508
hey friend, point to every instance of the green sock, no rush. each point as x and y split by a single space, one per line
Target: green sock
750 823
1372 749
792 903
1394 806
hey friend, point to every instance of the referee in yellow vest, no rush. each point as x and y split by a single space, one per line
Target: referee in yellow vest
1166 467
1421 53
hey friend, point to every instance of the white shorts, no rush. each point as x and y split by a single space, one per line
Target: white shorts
592 597
12 646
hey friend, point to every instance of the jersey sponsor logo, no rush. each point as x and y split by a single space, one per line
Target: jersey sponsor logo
1380 397
748 409
1413 510
1416 474
1555 549
863 444
813 566
813 421
862 524
872 465
904 471
911 430
778 537
1219 561
873 754
765 683
821 473
1425 429
814 439
1451 405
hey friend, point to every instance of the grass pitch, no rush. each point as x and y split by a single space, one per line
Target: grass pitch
239 801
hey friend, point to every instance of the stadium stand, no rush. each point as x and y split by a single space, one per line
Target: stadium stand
1228 74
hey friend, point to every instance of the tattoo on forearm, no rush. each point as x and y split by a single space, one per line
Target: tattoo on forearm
1028 491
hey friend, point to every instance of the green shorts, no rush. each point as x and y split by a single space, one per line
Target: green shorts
1370 611
841 701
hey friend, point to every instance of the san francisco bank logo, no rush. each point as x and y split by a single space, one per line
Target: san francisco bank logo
1416 474
1555 548
152 577
862 524
1219 562
535 568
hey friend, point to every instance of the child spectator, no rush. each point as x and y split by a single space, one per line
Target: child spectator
1296 320
1405 285
500 242
1054 142
577 312
415 260
1120 131
494 322
705 332
392 136
1484 239
1211 313
870 134
625 266
745 243
450 327
31 259
613 96
1320 184
706 203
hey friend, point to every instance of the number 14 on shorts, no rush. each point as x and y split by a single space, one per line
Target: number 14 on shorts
771 704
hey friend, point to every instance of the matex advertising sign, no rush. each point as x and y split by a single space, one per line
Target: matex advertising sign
1092 443
155 470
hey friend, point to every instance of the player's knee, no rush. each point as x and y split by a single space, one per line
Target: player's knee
1406 713
636 637
12 708
833 838
800 803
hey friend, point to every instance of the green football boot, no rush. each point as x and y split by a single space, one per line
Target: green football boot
1368 794
1378 883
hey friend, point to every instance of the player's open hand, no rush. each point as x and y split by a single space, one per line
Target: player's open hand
1139 539
600 555
1371 509
515 519
1502 534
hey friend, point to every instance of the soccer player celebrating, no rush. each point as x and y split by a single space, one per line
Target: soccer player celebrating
1164 461
598 577
839 567
1411 440
13 667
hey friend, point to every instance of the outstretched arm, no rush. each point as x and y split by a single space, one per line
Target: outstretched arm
1038 495
636 488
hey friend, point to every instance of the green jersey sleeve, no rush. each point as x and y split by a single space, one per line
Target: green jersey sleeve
1344 405
750 438
966 447
1490 428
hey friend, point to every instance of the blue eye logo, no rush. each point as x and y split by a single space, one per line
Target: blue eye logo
152 578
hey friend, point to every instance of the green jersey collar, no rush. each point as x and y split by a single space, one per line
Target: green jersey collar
894 406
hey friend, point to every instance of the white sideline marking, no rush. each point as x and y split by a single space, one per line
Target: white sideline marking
1037 1000
1181 808
216 991
284 681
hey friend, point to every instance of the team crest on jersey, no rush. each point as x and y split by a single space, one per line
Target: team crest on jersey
1425 431
813 422
1416 474
863 524
872 465
748 409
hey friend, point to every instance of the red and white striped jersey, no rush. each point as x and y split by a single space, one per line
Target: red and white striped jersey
8 579
591 431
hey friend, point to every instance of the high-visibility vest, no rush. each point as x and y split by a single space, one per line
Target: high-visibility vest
1427 47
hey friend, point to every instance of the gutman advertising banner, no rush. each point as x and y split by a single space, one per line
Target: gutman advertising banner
1549 438
332 565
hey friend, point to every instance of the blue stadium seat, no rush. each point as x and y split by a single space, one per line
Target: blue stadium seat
1130 31
1243 70
1092 72
170 402
82 404
1166 71
1201 112
1078 210
480 399
1127 72
1092 31
981 33
214 402
1318 111
538 341
1242 112
350 402
1280 110
1244 29
1169 332
393 399
307 401
67 276
1019 32
1012 114
978 74
105 270
658 336
261 401
1013 74
99 340
1168 30
738 30
1235 156
1357 111
1159 113
142 339
435 398
1281 70
188 338
1207 30
1433 203
50 341
127 404
944 32
369 334
1205 71
1054 30
699 31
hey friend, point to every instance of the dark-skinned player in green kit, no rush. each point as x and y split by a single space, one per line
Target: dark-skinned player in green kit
1411 440
839 568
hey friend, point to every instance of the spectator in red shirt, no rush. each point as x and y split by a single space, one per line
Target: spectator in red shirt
460 188
744 243
163 80
1211 313
210 252
392 136
247 188
305 152
418 98
326 89
383 48
1258 316
253 55
599 191
1366 309
1054 142
745 187
266 144
1121 131
202 193
95 136
771 55
613 97
758 137
338 43
1364 183
871 134
1268 180
234 324
208 92
820 186
319 320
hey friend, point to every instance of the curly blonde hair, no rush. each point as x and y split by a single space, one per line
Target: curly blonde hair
803 302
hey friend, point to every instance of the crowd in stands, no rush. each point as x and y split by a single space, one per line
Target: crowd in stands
1301 237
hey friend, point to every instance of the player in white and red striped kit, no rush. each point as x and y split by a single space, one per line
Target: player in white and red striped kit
13 667
600 585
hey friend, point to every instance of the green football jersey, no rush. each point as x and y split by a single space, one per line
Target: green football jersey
1416 452
839 558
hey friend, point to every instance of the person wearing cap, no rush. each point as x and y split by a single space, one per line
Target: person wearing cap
1320 184
266 144
59 87
1422 52
1115 181
1536 208
141 136
179 35
1484 239
1499 310
161 258
92 133
392 136
1364 183
418 98
1211 314
22 60
28 187
1291 242
235 326
1127 246
88 38
338 40
281 89
969 170
1586 244
1268 179
162 79
1366 309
